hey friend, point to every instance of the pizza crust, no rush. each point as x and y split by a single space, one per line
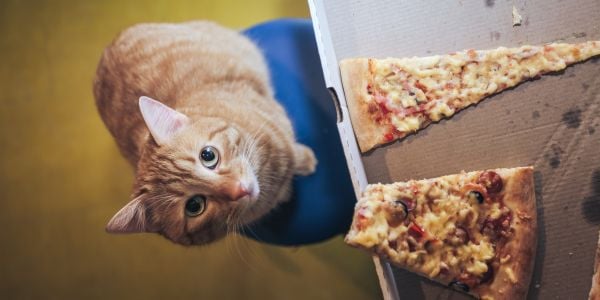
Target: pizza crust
355 78
514 276
595 291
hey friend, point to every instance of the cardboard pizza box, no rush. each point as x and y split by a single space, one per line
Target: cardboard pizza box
552 123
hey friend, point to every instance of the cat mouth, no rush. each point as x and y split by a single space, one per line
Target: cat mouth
246 191
253 193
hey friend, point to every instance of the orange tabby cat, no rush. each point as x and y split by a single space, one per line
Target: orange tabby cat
217 151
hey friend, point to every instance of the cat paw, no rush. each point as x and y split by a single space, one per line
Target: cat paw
305 160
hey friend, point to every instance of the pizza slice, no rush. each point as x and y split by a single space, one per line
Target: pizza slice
595 291
475 232
391 98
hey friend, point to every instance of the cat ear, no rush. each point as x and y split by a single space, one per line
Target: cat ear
162 121
130 219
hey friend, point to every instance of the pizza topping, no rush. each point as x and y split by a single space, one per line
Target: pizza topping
444 270
491 181
389 137
393 244
468 280
405 124
471 189
416 231
362 219
421 86
498 227
412 244
431 245
476 196
488 275
439 110
459 286
383 107
408 203
460 237
396 212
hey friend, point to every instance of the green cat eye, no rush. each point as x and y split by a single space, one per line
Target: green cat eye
195 205
209 156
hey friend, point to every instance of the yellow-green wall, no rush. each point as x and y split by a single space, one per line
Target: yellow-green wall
62 178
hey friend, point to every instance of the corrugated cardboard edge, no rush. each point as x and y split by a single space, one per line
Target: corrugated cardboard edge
331 74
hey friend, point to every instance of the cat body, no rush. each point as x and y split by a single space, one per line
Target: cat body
215 151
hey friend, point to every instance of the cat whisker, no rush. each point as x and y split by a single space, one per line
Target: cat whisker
258 256
229 241
228 220
236 243
257 133
254 138
232 236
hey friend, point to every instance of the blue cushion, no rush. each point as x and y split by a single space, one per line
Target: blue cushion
322 203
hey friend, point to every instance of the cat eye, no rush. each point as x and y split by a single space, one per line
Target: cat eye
209 156
195 206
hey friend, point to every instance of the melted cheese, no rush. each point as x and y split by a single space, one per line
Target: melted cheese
440 110
441 208
444 84
406 124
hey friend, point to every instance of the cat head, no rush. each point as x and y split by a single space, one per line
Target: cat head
196 179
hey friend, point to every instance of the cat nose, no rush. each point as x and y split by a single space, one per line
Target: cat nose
240 191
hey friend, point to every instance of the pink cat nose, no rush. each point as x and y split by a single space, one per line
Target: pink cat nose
241 191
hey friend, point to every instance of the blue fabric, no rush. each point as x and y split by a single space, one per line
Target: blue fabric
322 203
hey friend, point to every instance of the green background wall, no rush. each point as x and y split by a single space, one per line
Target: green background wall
62 178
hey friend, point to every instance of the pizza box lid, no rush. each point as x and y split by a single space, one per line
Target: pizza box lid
552 123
